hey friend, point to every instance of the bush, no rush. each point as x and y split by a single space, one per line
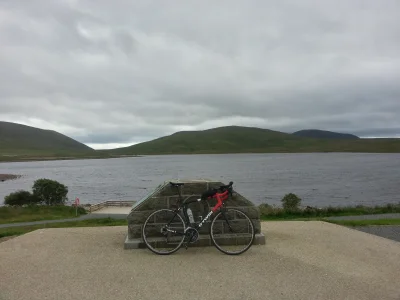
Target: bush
20 198
50 192
291 202
82 210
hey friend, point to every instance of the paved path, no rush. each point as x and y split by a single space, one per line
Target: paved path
387 231
84 217
301 260
114 210
366 217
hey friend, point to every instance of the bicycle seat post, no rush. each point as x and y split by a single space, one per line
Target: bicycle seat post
178 185
179 193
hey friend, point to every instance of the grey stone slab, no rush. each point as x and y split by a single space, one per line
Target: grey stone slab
165 196
134 231
138 217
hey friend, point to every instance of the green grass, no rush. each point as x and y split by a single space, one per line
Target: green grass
85 223
268 212
236 139
18 139
11 214
365 222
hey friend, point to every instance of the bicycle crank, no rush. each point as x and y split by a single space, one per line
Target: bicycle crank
192 235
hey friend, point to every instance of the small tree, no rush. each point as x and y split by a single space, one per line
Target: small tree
291 202
20 198
50 192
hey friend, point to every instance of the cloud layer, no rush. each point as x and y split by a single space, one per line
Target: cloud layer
120 72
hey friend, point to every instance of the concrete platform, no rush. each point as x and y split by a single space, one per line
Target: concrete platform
203 241
301 260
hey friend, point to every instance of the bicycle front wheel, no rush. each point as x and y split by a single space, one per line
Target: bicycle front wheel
232 231
163 231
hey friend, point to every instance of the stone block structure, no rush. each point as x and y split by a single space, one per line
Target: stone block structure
166 196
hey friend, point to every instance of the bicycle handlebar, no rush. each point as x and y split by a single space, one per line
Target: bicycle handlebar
222 187
212 192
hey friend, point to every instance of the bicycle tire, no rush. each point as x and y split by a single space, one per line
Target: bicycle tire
147 242
250 223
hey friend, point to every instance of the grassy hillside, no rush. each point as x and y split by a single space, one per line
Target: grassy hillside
17 139
20 142
324 134
235 139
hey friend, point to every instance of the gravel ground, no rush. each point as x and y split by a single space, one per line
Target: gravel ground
301 260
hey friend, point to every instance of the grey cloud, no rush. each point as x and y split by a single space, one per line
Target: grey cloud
116 72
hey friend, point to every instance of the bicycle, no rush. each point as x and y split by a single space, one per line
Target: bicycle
172 230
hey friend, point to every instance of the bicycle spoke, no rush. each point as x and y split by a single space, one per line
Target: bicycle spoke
232 232
163 231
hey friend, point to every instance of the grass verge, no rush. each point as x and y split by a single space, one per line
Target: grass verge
365 222
14 214
268 212
85 223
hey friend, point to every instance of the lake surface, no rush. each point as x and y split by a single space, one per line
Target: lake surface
319 179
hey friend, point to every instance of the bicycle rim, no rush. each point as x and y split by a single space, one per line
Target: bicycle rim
156 234
232 232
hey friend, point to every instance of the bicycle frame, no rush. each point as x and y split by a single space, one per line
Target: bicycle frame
220 197
189 233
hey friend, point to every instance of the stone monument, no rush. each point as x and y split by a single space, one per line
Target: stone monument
165 196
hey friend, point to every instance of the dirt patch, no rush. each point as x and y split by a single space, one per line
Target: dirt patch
6 238
4 177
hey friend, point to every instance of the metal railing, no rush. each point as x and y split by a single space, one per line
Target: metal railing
94 207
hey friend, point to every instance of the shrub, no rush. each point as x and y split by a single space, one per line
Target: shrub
50 192
291 202
265 209
82 210
20 198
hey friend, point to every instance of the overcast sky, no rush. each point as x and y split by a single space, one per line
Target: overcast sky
112 73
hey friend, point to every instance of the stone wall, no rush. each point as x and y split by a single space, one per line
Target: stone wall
166 196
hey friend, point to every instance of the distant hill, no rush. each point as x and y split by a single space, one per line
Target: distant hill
17 139
236 139
324 134
217 140
21 143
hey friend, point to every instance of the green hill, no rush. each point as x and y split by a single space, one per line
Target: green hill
235 139
324 134
20 142
17 139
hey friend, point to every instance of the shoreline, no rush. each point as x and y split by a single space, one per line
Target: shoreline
5 177
8 159
44 158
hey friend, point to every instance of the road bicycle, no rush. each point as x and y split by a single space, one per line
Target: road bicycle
231 230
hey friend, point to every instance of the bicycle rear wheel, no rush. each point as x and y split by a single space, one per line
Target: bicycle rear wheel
163 231
232 231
